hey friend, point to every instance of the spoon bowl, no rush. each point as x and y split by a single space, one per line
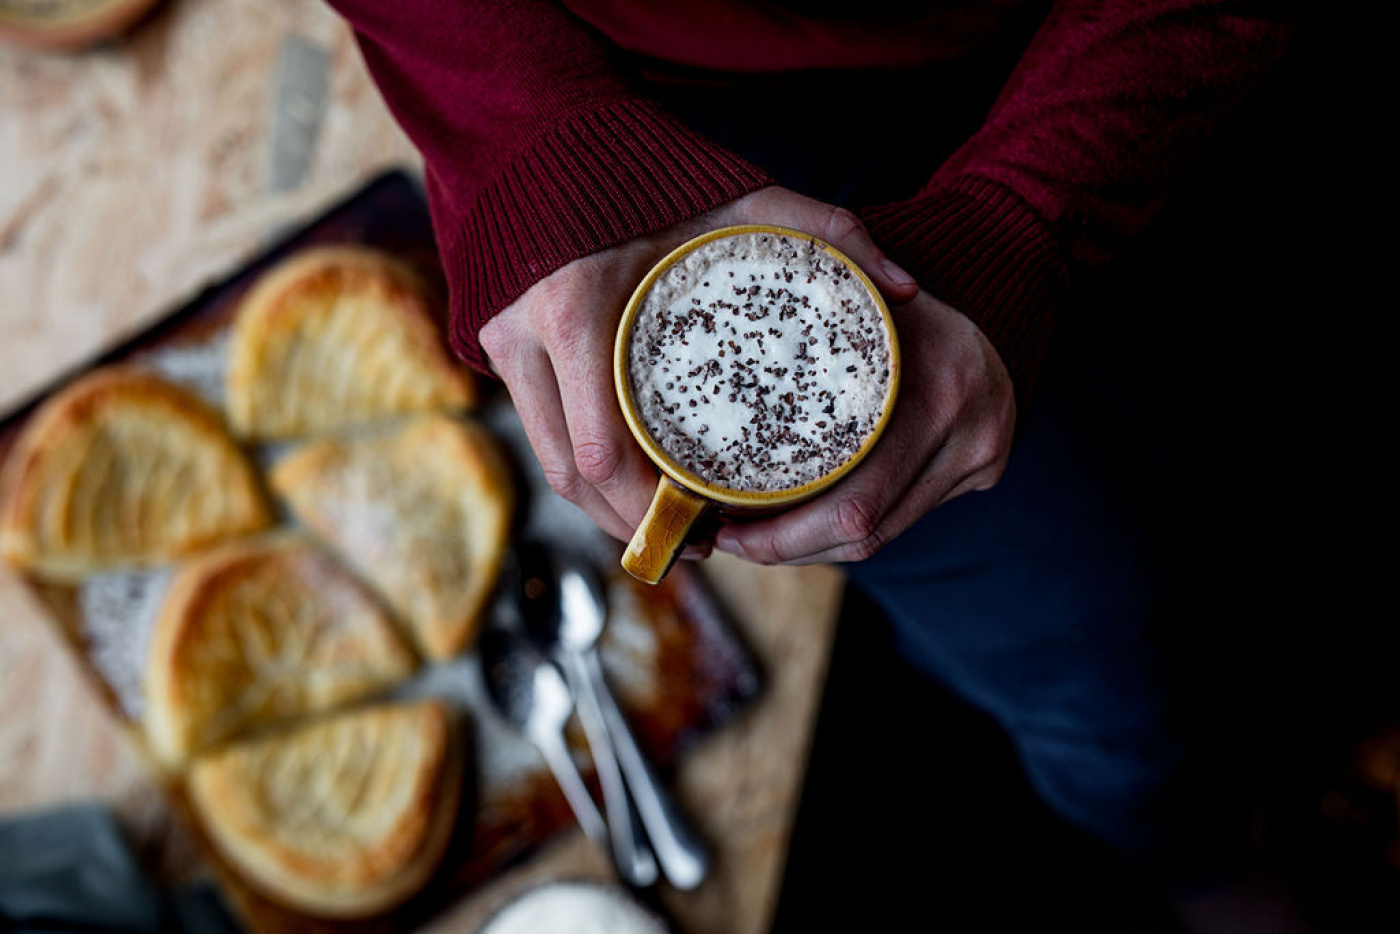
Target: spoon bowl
532 697
567 616
528 691
534 585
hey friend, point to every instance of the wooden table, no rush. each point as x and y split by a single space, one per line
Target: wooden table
133 173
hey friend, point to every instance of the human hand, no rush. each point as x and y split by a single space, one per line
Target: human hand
553 348
950 434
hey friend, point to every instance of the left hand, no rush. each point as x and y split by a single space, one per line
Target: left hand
950 434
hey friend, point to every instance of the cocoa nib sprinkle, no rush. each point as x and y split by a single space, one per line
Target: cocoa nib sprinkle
759 362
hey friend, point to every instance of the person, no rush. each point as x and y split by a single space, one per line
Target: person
990 166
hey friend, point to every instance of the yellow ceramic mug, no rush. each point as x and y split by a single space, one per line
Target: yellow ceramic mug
683 497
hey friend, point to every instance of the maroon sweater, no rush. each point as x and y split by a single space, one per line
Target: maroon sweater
538 150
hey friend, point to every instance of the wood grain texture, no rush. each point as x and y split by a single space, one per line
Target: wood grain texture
136 172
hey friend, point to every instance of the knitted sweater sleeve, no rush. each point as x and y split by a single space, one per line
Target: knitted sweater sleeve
1106 112
535 151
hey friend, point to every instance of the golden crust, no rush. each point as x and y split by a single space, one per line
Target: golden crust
346 816
256 633
422 511
338 336
121 469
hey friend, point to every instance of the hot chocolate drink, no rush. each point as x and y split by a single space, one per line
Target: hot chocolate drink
760 362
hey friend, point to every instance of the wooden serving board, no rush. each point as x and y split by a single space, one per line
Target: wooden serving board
676 663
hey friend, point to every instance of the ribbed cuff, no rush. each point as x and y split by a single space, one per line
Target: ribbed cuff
978 247
600 179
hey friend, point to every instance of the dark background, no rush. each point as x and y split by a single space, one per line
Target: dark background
1260 358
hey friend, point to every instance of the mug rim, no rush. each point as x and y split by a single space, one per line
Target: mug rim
673 469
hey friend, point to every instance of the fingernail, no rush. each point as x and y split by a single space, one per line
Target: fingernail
727 541
895 274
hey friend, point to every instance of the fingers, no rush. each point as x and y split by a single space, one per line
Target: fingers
849 519
851 515
844 230
839 227
854 523
858 544
697 552
535 392
950 434
605 456
554 346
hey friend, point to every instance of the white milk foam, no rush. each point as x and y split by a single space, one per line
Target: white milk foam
760 362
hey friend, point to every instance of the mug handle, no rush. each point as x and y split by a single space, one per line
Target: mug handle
660 538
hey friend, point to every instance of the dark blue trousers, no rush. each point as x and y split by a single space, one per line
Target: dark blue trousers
1077 603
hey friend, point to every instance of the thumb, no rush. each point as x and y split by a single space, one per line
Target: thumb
844 230
837 226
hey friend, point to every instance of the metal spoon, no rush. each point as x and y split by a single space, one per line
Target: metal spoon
534 581
572 632
532 696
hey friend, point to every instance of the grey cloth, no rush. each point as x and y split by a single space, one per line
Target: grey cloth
71 869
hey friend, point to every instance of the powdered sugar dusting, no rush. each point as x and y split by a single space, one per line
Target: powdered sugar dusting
119 610
199 366
503 755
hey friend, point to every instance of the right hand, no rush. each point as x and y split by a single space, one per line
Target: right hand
553 348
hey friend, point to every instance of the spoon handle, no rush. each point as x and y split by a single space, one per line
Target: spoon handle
633 857
566 773
683 857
